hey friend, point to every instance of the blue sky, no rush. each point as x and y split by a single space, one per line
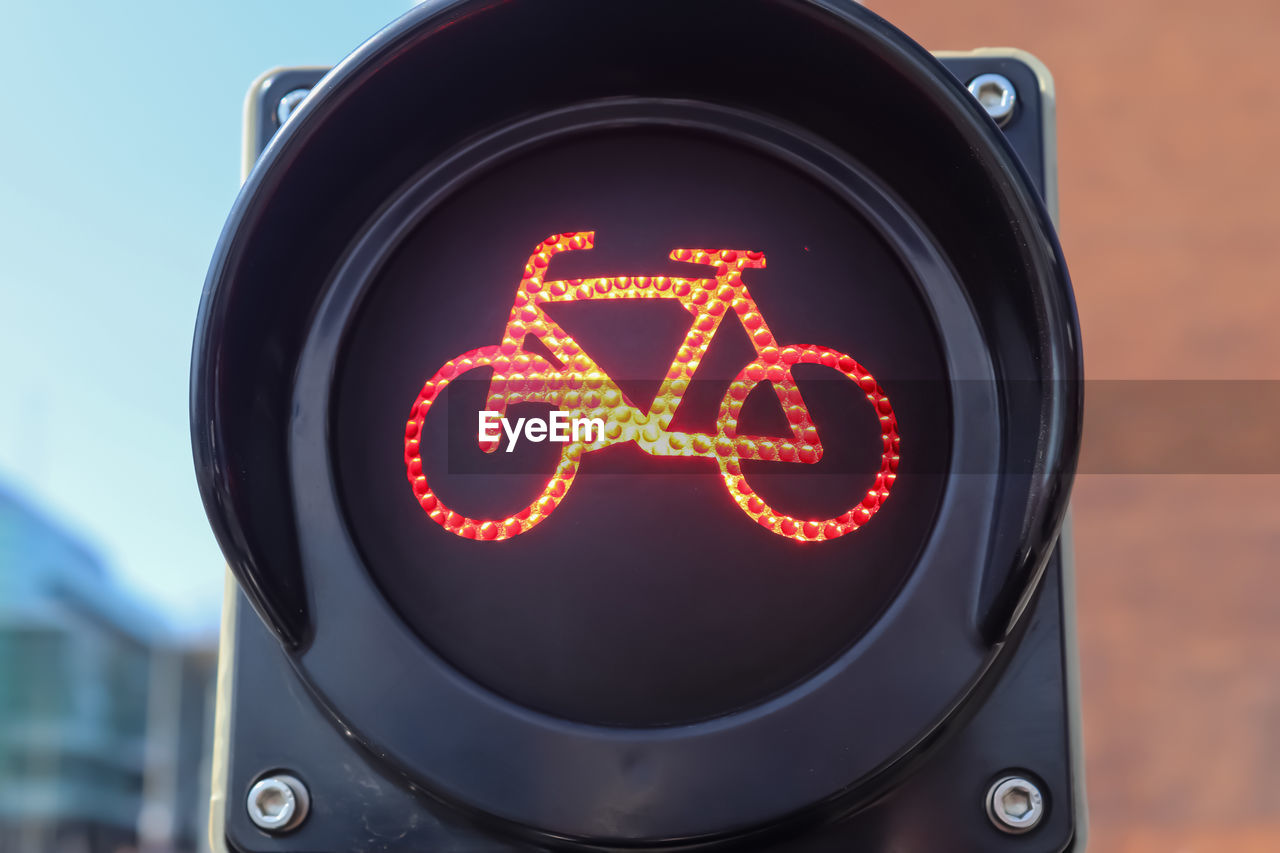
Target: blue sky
119 159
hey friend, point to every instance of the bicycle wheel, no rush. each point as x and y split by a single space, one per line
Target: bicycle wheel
775 366
454 522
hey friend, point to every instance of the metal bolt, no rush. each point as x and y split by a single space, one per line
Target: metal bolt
289 103
996 94
278 803
1015 805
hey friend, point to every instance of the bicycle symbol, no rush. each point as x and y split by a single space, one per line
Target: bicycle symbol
577 386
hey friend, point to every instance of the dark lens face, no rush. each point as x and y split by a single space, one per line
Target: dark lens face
671 577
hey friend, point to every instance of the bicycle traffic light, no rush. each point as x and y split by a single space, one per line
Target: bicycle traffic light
643 425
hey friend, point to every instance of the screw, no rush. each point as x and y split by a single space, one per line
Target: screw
278 803
1015 805
996 94
288 103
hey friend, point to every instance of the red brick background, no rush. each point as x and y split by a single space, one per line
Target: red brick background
1169 134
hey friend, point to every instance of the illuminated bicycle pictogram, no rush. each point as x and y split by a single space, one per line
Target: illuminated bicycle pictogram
577 386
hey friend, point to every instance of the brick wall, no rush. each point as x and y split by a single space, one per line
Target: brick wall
1169 131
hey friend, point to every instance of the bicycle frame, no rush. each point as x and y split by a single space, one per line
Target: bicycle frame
577 385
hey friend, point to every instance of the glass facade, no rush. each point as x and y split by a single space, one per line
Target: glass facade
102 716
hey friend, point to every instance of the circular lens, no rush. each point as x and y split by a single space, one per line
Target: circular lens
648 592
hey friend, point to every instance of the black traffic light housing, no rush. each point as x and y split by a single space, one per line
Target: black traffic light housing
434 695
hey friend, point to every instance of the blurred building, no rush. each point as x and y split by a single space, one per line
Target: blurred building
105 722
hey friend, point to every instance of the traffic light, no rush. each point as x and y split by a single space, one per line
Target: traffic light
644 425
